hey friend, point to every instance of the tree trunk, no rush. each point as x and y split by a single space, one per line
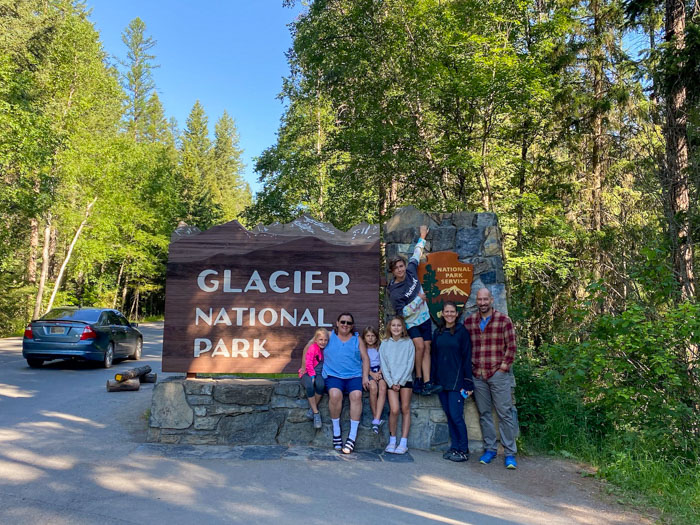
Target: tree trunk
44 268
132 373
677 156
33 248
119 280
319 158
57 284
117 386
149 378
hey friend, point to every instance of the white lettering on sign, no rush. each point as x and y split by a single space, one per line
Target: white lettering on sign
333 285
273 281
227 283
239 348
278 282
265 317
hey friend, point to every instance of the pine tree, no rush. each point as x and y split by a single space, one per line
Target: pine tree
197 171
138 80
229 189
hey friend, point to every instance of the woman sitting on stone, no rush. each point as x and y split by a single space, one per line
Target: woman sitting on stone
346 371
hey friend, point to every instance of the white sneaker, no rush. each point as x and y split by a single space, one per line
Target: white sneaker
390 448
401 449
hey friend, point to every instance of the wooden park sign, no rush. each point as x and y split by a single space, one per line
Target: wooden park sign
248 301
445 278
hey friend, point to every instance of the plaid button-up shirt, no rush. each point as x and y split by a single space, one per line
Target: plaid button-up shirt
492 347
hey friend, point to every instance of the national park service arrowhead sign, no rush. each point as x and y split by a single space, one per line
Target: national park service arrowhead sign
248 301
445 278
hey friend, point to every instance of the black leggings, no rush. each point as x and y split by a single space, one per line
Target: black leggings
313 385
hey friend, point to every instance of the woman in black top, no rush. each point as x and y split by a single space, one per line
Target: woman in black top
452 350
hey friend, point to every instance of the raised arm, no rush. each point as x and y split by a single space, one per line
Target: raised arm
418 250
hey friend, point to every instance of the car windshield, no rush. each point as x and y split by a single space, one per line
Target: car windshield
71 314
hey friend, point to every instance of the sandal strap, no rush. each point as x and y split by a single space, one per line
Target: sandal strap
349 446
337 442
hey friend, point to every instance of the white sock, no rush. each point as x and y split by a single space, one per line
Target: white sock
353 429
336 426
403 443
392 440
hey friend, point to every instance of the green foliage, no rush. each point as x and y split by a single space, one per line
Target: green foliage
623 394
70 135
637 369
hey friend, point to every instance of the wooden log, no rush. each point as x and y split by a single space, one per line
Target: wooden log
149 378
132 373
123 386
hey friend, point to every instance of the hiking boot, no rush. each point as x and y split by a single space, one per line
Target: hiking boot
317 420
510 463
487 457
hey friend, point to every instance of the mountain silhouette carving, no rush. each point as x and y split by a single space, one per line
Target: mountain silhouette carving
453 289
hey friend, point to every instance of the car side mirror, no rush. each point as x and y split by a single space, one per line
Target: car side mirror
135 325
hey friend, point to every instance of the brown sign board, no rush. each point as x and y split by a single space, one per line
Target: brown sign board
445 278
248 301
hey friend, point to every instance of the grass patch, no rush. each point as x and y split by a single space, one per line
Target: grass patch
555 421
152 319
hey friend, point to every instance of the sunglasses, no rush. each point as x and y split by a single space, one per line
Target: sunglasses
348 323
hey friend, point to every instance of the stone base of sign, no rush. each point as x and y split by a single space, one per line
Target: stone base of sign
273 412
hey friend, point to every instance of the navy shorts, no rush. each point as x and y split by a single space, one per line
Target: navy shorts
375 369
344 385
424 330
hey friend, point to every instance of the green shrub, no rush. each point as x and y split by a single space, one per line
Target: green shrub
623 394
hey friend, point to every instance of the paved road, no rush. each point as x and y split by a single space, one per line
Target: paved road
71 453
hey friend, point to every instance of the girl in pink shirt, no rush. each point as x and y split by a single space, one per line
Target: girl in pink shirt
310 374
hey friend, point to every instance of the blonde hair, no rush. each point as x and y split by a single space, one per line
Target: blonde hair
320 331
387 332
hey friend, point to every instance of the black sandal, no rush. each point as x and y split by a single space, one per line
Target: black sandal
337 442
349 446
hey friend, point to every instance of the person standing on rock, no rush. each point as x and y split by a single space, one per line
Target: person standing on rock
408 299
346 371
493 352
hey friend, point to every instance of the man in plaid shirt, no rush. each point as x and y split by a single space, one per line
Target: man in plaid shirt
493 351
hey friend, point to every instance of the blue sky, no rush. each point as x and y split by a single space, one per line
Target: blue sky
228 54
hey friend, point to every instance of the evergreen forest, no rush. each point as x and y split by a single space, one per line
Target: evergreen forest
576 121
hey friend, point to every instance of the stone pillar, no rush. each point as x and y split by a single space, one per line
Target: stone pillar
475 237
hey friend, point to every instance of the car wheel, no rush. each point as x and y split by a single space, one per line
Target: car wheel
109 356
35 363
137 352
